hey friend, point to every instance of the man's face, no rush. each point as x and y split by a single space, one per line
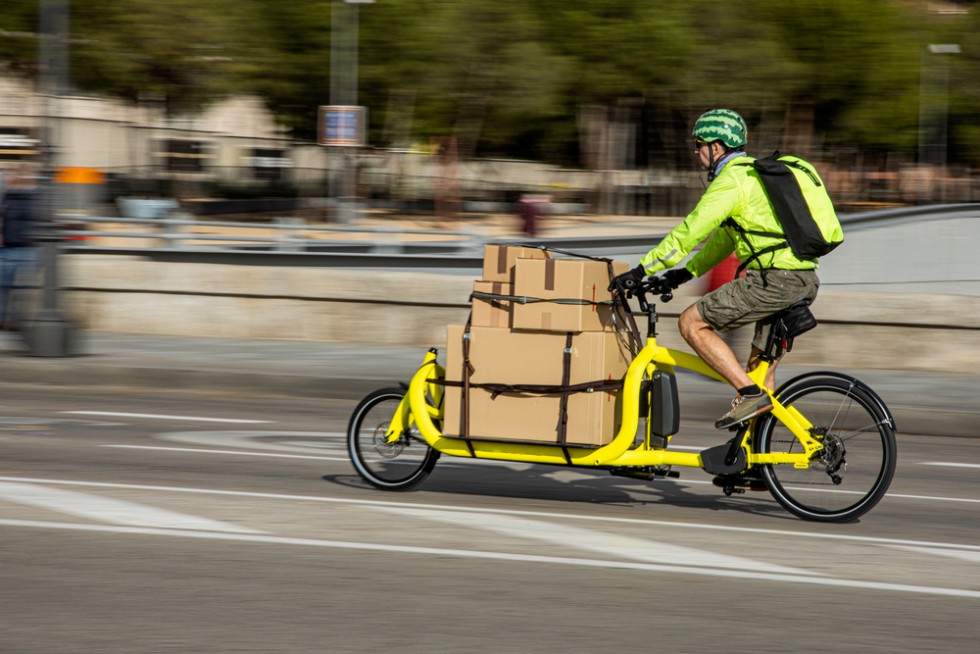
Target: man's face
708 152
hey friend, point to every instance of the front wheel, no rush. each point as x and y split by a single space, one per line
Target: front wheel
398 465
855 467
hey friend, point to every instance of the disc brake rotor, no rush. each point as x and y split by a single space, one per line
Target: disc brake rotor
388 450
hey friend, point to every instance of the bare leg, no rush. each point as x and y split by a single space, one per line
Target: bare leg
712 348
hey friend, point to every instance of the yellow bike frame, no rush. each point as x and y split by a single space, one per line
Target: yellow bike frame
416 409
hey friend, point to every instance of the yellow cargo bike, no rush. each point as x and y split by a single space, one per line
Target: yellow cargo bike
826 452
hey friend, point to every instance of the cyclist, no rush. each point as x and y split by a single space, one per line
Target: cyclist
773 281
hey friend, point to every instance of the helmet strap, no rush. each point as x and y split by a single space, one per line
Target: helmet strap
711 162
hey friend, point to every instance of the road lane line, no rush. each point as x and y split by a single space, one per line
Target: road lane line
938 498
161 416
505 556
608 544
233 452
107 509
345 459
951 465
963 555
648 522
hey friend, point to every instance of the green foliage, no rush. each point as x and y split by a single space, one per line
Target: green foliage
509 77
177 52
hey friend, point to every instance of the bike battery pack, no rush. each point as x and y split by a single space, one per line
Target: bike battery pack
665 418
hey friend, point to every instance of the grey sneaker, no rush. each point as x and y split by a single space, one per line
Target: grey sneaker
745 407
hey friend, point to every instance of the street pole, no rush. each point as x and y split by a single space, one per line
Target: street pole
934 103
344 29
49 334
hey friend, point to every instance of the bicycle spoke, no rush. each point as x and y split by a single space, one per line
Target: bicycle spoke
391 465
852 471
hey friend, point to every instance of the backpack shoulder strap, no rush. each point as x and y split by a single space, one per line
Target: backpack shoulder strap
730 222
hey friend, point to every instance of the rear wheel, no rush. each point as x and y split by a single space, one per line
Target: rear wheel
399 465
854 469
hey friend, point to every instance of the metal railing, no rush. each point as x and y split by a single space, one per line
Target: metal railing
176 236
180 231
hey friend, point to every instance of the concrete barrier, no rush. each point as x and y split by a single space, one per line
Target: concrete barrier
132 294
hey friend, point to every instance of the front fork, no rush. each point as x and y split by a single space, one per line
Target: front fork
403 419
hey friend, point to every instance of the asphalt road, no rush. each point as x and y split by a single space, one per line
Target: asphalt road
191 522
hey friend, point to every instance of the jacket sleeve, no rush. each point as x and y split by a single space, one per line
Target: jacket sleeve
719 246
718 203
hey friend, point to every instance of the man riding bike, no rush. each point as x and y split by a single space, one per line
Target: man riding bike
775 279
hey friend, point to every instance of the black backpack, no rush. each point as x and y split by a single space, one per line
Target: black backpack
802 206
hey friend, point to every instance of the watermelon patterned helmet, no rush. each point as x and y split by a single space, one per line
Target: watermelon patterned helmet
722 125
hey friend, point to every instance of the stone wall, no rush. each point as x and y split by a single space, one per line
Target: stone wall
133 294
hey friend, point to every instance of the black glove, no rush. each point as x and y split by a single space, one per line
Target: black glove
628 280
677 276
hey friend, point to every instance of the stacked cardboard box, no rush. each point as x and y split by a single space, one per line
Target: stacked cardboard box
513 344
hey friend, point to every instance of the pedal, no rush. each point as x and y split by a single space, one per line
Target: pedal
740 483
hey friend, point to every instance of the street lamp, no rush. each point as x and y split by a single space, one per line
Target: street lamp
934 103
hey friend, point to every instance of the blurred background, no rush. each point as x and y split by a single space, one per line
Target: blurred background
465 106
298 143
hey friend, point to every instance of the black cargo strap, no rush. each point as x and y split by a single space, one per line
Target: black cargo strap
467 370
566 378
568 253
597 386
523 299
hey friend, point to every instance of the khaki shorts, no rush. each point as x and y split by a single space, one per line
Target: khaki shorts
746 300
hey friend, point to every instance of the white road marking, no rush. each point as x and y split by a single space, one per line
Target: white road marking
932 498
230 452
505 556
197 450
107 509
316 442
951 465
963 555
604 543
647 522
161 416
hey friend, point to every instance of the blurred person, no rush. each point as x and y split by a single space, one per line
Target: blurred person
17 251
773 281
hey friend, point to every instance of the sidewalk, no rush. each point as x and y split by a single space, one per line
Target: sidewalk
931 403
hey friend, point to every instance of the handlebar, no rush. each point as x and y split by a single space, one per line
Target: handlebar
641 288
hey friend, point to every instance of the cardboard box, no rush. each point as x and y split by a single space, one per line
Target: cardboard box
501 356
499 260
492 313
564 279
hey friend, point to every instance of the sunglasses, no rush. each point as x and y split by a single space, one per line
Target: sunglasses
699 143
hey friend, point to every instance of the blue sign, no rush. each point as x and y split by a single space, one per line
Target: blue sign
341 125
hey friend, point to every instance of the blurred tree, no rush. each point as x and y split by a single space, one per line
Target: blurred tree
283 54
510 77
18 36
179 52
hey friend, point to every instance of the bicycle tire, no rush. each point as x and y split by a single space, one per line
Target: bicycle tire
852 473
395 466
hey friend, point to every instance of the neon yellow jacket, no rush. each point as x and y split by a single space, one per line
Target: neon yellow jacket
737 193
